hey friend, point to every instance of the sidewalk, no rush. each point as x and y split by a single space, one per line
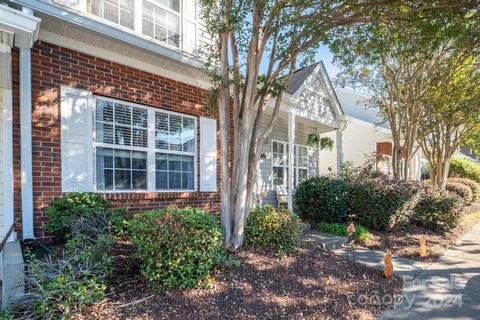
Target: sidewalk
403 266
448 289
445 290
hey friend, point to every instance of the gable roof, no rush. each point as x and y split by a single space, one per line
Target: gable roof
306 77
299 77
357 105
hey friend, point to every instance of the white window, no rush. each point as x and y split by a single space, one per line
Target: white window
175 151
142 148
161 20
387 165
280 163
174 22
117 11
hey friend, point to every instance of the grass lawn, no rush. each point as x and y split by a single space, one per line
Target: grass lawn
406 242
313 284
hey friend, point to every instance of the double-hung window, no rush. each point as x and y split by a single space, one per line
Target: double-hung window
174 151
280 163
142 148
161 20
117 11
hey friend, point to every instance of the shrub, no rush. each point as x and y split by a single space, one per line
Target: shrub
438 211
361 234
384 203
323 199
461 190
279 230
97 251
474 186
178 247
63 210
56 289
464 168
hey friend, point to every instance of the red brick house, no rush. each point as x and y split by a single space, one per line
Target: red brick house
109 96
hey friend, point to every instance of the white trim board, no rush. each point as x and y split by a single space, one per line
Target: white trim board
7 122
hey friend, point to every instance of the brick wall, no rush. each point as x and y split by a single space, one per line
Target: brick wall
53 66
386 149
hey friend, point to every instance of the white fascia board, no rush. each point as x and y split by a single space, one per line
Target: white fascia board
121 59
110 30
331 92
320 70
368 124
24 26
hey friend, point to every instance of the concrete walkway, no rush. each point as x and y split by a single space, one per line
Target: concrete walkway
448 289
403 266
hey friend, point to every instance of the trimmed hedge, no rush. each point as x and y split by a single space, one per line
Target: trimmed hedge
461 190
463 168
323 199
438 211
384 203
474 186
178 248
270 228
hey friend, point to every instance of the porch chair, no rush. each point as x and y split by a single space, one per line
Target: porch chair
282 195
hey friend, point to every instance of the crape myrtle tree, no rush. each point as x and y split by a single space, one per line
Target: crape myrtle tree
452 108
395 62
256 46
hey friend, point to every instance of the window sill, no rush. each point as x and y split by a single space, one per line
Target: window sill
126 195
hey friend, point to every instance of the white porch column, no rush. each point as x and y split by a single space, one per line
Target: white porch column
339 142
26 138
291 146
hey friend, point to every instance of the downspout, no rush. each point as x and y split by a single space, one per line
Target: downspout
26 139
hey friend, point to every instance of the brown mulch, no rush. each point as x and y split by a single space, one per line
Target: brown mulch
405 242
313 284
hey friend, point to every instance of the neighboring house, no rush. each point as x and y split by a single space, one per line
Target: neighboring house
366 134
466 152
110 97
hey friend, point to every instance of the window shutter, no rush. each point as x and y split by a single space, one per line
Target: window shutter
77 140
208 155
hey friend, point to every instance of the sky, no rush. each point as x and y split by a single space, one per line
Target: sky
326 56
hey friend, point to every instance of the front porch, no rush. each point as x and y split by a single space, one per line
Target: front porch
310 106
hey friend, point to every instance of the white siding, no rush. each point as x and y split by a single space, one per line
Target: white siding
360 141
2 211
280 133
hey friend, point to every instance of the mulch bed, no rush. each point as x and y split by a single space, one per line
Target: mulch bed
405 242
313 284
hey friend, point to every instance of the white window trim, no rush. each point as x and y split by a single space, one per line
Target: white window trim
388 159
150 149
137 23
286 158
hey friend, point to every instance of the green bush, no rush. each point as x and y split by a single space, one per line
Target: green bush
177 247
323 199
63 210
438 211
461 190
56 289
361 234
474 186
383 203
98 251
464 168
269 228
